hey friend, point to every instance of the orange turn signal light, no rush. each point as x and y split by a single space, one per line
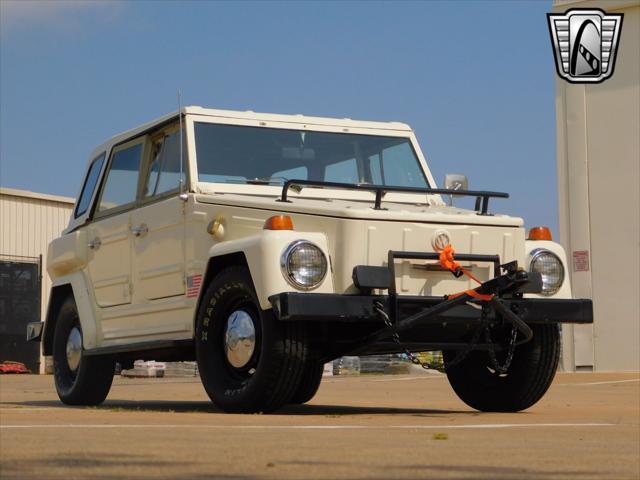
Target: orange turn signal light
278 222
540 233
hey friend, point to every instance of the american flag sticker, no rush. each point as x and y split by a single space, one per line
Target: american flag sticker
193 285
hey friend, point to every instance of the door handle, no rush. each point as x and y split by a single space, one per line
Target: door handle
140 231
94 244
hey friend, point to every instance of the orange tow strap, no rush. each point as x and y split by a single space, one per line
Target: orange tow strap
447 260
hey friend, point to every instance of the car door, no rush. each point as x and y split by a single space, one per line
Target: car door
158 225
109 235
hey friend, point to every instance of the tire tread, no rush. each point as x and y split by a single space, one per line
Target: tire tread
530 376
95 373
309 383
287 354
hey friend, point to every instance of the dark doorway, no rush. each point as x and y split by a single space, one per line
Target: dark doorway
20 287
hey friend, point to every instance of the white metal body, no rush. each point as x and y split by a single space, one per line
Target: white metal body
132 288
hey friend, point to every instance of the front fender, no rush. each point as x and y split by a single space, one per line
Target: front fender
263 252
75 283
530 246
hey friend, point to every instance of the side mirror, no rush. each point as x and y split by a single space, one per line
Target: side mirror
456 181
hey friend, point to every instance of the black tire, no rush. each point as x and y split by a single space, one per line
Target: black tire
528 378
272 374
309 383
89 383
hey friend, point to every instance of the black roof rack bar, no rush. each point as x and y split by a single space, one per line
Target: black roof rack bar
482 197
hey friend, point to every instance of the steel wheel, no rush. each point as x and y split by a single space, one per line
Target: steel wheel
248 361
79 379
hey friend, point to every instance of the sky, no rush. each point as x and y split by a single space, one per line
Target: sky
474 79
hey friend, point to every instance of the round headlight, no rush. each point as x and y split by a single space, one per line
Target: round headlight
304 265
551 268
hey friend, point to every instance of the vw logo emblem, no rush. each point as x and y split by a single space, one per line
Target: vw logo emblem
440 240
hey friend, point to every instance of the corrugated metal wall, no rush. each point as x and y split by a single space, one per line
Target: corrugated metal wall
28 223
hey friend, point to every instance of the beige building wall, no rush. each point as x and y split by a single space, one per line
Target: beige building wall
28 222
598 154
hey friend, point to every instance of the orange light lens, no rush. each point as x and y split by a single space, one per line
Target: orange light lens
278 222
540 233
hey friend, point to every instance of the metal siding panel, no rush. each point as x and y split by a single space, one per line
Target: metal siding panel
6 226
44 233
32 222
23 231
11 227
38 213
28 222
27 227
4 231
25 237
17 228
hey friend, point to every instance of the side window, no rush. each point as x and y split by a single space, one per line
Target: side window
89 186
122 178
163 174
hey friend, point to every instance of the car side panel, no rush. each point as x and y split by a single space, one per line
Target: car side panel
110 262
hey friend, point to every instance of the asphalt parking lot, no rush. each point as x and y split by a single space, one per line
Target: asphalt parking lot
587 426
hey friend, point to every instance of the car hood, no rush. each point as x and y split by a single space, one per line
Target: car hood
363 209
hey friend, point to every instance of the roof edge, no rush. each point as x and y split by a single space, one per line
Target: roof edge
295 118
14 192
251 115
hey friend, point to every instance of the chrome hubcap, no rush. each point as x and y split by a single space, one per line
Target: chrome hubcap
74 349
240 338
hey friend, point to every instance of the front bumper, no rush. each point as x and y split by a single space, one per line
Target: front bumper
323 307
502 300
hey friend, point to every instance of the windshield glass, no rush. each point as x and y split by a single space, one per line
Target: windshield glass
237 154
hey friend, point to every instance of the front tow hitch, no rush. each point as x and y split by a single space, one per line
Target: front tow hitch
488 295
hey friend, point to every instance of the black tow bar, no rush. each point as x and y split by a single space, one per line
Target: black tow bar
507 314
506 283
414 320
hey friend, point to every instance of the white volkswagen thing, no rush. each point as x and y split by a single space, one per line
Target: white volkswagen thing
266 245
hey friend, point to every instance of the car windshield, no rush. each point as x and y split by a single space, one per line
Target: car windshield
270 156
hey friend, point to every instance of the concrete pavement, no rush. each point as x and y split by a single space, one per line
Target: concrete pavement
587 426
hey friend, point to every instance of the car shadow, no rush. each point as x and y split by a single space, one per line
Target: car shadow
187 406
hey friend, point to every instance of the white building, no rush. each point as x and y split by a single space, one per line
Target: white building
598 153
28 222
